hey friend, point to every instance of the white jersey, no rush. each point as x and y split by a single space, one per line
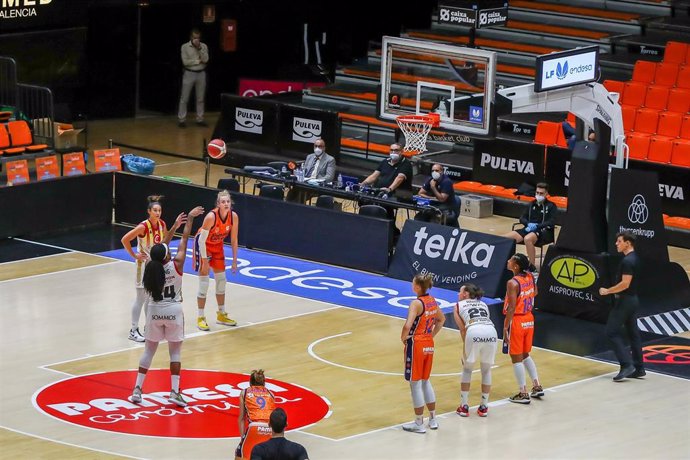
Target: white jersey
473 312
165 319
172 292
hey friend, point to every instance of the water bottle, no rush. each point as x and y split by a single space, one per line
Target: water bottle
299 173
340 181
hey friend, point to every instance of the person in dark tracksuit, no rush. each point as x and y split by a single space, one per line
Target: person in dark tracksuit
624 312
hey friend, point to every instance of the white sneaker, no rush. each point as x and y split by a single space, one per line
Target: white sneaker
433 424
176 398
136 395
136 336
414 428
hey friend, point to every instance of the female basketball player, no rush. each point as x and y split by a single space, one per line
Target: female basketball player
424 320
518 327
209 254
256 404
149 232
479 338
164 318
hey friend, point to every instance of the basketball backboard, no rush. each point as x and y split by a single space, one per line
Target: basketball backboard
421 76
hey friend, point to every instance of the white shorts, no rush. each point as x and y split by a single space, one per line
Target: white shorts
480 342
165 322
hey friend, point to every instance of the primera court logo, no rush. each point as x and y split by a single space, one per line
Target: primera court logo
101 401
573 272
17 9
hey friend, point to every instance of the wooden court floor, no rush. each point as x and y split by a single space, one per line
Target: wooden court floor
62 320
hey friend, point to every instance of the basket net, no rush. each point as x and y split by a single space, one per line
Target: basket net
416 128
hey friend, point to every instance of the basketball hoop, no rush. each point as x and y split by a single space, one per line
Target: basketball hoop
416 128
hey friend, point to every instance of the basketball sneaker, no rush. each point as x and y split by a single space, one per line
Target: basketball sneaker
176 398
222 319
482 410
135 335
463 411
433 424
136 395
414 428
537 392
520 398
202 324
639 373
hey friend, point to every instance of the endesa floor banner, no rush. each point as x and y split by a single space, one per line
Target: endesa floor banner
453 255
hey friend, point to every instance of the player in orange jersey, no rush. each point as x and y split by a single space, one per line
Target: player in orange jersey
518 327
256 404
424 320
149 232
209 254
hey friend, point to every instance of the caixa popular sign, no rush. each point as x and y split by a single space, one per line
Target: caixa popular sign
473 13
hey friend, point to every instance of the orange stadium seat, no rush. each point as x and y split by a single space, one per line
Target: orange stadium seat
681 153
644 71
666 74
634 93
657 97
547 132
561 141
660 150
669 124
639 145
560 201
676 52
468 186
646 121
685 128
22 140
629 114
615 86
679 100
489 189
4 139
683 80
677 221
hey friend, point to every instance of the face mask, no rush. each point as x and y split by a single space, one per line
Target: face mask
540 198
435 175
317 151
394 156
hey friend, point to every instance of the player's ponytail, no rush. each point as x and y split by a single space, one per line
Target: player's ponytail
154 273
425 281
257 379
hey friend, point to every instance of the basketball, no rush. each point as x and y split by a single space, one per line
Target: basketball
216 149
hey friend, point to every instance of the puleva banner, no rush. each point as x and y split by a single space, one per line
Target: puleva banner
454 256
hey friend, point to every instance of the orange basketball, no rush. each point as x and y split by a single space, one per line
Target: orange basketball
216 149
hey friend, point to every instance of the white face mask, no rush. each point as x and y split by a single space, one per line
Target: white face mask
317 151
435 175
540 198
394 156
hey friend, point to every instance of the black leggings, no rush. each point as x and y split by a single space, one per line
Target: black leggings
624 316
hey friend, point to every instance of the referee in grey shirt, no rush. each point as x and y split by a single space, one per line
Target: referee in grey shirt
194 56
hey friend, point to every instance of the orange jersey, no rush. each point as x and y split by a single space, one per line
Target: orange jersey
525 298
424 323
259 402
220 229
152 235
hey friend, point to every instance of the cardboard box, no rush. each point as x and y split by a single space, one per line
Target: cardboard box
476 206
64 134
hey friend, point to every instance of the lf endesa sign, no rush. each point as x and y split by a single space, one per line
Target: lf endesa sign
560 70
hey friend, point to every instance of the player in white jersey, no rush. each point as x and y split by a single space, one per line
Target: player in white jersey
165 319
479 338
149 232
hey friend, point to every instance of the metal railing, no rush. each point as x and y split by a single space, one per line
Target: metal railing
36 103
8 81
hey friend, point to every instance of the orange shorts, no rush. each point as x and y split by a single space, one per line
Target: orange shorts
419 357
215 253
257 432
521 334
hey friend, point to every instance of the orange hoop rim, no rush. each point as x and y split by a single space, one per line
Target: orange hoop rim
432 119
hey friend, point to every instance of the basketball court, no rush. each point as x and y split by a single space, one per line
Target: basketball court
328 344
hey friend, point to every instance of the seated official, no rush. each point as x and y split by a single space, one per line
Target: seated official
318 166
439 188
539 221
393 176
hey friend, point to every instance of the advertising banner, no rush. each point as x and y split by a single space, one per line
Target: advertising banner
569 283
47 167
41 14
473 13
73 164
507 163
558 161
449 13
17 172
249 87
107 160
567 68
674 186
247 119
301 126
453 256
635 206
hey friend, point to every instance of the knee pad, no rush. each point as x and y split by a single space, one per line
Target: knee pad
486 373
220 282
467 372
175 350
149 350
203 287
429 396
417 394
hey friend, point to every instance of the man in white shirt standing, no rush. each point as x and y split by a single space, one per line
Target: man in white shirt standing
194 56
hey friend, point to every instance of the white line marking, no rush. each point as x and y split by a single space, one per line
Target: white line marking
39 275
33 258
78 446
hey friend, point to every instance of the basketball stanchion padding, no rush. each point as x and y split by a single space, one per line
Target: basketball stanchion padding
416 128
216 149
136 164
